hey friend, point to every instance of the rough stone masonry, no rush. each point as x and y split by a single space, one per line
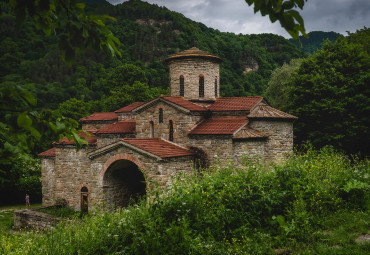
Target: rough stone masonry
145 143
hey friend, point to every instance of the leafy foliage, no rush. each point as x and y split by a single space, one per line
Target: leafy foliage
78 30
314 41
284 12
330 95
251 210
278 86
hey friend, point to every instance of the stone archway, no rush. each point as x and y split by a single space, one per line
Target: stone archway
123 182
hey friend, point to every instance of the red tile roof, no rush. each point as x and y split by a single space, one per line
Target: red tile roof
185 103
159 147
130 107
100 116
234 103
218 126
121 127
90 140
249 133
48 153
266 111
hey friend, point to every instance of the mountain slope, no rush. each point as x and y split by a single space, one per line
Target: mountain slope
314 41
148 34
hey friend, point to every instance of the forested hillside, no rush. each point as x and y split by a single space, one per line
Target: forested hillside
314 41
148 34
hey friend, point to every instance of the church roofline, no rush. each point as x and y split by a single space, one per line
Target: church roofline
264 111
116 145
193 53
129 108
120 127
99 116
157 148
225 104
50 153
219 126
177 102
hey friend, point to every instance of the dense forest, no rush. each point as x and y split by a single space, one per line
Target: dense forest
328 87
148 34
314 41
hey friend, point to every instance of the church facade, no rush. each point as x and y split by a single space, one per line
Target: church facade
145 143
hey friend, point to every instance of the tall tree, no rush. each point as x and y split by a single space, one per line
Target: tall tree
278 86
330 94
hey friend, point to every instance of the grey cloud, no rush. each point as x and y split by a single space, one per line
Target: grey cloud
237 17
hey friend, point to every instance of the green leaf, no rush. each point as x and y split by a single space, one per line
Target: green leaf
80 5
11 148
28 97
35 133
24 120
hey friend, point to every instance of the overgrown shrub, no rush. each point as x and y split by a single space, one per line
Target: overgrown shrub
246 210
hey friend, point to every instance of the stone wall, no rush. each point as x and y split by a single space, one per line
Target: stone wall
95 125
218 147
74 170
191 69
48 180
126 116
34 219
106 139
279 143
248 149
182 122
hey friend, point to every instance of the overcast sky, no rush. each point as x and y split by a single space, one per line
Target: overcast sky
237 17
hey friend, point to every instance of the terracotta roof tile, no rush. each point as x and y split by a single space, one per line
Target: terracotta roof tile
130 107
121 127
185 103
265 111
234 103
193 53
249 133
159 147
48 153
90 140
100 116
218 126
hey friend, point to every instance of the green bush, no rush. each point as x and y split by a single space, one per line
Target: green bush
248 210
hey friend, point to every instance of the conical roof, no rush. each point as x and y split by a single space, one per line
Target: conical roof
193 53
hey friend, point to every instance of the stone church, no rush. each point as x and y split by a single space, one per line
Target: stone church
146 142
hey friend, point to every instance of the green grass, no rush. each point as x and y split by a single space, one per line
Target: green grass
314 203
18 207
6 215
336 234
6 220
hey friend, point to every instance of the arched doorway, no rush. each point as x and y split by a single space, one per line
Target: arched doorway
123 182
84 199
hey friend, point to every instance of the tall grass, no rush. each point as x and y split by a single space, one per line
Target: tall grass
253 209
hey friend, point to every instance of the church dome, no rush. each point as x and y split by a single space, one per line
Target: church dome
193 53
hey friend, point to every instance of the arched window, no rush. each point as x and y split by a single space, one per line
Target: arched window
84 199
182 88
201 86
151 129
170 137
216 89
160 115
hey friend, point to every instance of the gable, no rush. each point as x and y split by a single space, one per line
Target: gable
152 147
178 103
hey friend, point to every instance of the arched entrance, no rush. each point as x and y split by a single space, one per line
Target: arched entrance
123 182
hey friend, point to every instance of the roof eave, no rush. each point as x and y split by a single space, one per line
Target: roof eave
163 100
